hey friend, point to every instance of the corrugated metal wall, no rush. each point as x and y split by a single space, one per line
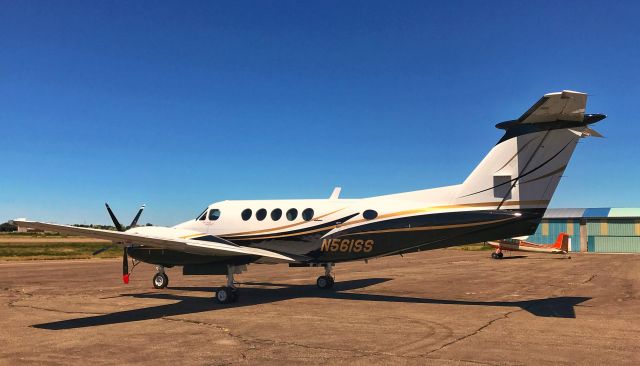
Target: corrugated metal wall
549 229
613 235
606 230
614 244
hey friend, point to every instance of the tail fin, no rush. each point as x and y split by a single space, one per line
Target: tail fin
562 242
524 168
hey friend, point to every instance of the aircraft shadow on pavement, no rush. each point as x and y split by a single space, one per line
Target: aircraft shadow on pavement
513 257
560 307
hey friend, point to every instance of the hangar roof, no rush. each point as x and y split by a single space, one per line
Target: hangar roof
595 212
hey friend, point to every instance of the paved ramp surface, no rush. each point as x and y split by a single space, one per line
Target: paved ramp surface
436 307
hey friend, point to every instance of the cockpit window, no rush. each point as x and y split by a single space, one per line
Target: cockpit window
214 214
202 215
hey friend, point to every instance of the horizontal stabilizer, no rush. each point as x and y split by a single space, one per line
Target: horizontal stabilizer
566 105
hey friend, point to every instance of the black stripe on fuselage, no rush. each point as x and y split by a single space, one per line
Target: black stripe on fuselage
429 231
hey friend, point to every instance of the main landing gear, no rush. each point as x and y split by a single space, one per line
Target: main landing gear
229 293
497 254
160 279
326 281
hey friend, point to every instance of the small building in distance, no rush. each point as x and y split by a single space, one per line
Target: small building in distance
603 230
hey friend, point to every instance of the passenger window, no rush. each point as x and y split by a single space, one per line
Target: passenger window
276 214
369 214
292 214
246 214
261 214
214 214
307 214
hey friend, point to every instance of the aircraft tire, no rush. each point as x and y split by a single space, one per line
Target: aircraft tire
500 255
226 295
160 280
494 256
325 282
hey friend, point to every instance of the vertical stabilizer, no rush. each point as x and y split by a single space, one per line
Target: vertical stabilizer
524 168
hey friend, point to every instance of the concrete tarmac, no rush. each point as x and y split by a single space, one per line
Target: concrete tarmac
435 307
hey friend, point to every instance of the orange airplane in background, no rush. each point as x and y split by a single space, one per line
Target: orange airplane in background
561 246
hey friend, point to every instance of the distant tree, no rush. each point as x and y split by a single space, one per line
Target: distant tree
149 224
7 227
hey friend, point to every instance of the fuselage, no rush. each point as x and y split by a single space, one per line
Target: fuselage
524 246
336 230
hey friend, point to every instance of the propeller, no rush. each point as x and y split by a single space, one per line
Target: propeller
119 227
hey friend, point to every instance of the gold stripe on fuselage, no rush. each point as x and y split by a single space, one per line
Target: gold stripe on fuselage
326 228
428 228
193 236
444 207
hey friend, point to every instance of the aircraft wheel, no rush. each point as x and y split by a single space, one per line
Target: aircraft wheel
494 256
500 255
226 295
325 282
160 280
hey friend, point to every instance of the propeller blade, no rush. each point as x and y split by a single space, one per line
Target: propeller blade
125 266
135 219
116 223
102 250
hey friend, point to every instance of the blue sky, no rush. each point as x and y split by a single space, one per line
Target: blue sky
180 104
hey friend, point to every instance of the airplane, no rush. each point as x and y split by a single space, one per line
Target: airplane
561 246
506 195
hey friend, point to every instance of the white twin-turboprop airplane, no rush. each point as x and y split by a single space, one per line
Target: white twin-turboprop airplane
505 196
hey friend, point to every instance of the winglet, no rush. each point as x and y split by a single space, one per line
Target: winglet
336 193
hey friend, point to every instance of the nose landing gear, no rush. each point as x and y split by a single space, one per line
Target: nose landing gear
160 279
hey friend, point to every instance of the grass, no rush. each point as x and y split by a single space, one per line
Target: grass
32 235
32 251
473 247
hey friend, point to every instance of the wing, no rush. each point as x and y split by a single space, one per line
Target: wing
566 105
165 238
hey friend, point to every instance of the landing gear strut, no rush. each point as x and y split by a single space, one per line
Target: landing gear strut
160 279
229 293
326 281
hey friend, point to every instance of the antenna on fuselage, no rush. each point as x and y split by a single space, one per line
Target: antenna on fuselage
336 193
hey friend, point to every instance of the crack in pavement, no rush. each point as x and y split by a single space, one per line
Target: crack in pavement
357 353
483 327
272 342
24 295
